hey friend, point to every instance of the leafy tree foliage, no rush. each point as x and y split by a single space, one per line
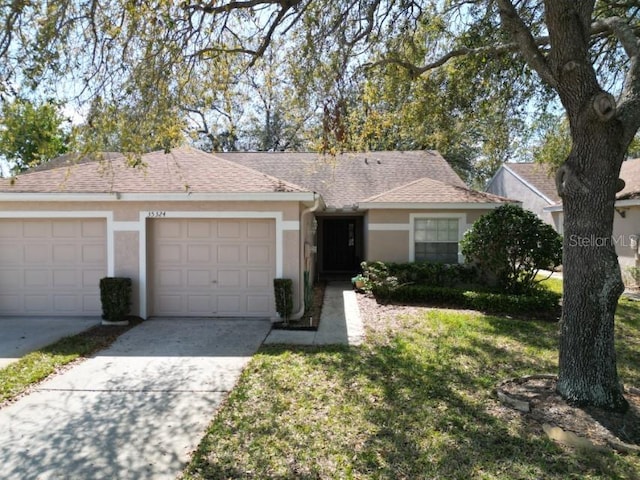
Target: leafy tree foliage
31 133
512 245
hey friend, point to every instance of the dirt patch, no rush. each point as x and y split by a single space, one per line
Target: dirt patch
582 427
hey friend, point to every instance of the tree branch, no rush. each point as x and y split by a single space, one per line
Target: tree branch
526 42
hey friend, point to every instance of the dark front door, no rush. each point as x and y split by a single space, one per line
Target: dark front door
341 244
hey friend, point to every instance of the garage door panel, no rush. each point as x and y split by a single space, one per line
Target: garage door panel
38 253
91 277
171 304
259 303
259 279
258 255
37 304
65 303
198 253
52 266
199 229
199 278
93 254
10 254
65 229
93 229
170 278
228 254
228 229
37 229
228 304
65 278
199 305
35 278
12 304
229 278
11 229
170 253
260 231
225 267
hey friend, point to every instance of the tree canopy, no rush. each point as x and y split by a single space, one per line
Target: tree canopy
31 134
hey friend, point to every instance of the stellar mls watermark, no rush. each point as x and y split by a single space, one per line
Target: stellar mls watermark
624 241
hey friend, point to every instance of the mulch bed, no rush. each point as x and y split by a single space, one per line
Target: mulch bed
311 319
579 427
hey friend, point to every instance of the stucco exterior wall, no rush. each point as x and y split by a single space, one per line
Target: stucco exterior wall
506 184
626 237
388 232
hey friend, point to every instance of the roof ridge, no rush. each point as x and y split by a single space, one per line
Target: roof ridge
279 181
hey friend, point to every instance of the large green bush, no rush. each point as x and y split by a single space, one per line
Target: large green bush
511 245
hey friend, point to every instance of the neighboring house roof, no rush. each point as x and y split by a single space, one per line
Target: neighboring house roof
350 178
427 190
630 173
538 178
183 170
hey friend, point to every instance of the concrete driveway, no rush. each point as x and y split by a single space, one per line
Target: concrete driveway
136 410
19 336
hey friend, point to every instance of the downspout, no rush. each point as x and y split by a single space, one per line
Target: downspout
301 254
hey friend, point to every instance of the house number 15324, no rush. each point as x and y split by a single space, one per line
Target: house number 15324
156 214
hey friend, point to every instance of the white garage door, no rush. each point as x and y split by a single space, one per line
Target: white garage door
51 267
207 267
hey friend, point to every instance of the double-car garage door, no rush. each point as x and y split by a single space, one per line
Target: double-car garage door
51 266
195 267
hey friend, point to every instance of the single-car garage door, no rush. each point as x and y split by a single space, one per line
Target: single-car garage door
51 266
212 267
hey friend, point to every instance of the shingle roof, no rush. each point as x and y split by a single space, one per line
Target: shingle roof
630 173
538 176
181 170
350 177
427 190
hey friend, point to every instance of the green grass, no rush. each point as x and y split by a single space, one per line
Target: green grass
18 376
414 402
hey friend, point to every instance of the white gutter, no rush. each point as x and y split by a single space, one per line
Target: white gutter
155 197
631 202
431 205
301 255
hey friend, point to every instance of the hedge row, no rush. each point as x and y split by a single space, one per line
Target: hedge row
539 302
420 273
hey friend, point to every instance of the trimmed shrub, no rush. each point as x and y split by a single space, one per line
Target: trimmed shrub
283 289
510 245
392 275
115 296
536 302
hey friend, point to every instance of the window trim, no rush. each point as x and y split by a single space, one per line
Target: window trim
462 225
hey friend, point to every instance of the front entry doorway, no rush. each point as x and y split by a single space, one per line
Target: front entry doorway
341 245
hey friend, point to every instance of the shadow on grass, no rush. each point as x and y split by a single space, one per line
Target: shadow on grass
416 406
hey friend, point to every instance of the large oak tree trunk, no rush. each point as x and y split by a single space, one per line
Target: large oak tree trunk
592 280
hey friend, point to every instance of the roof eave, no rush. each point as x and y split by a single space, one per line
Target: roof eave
529 185
430 205
169 197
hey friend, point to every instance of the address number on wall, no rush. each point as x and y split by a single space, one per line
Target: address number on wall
156 214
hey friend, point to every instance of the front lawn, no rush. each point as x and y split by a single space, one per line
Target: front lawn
414 402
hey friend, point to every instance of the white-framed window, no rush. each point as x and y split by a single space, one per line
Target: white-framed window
435 238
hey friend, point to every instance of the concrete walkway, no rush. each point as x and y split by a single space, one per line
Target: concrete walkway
136 410
340 321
